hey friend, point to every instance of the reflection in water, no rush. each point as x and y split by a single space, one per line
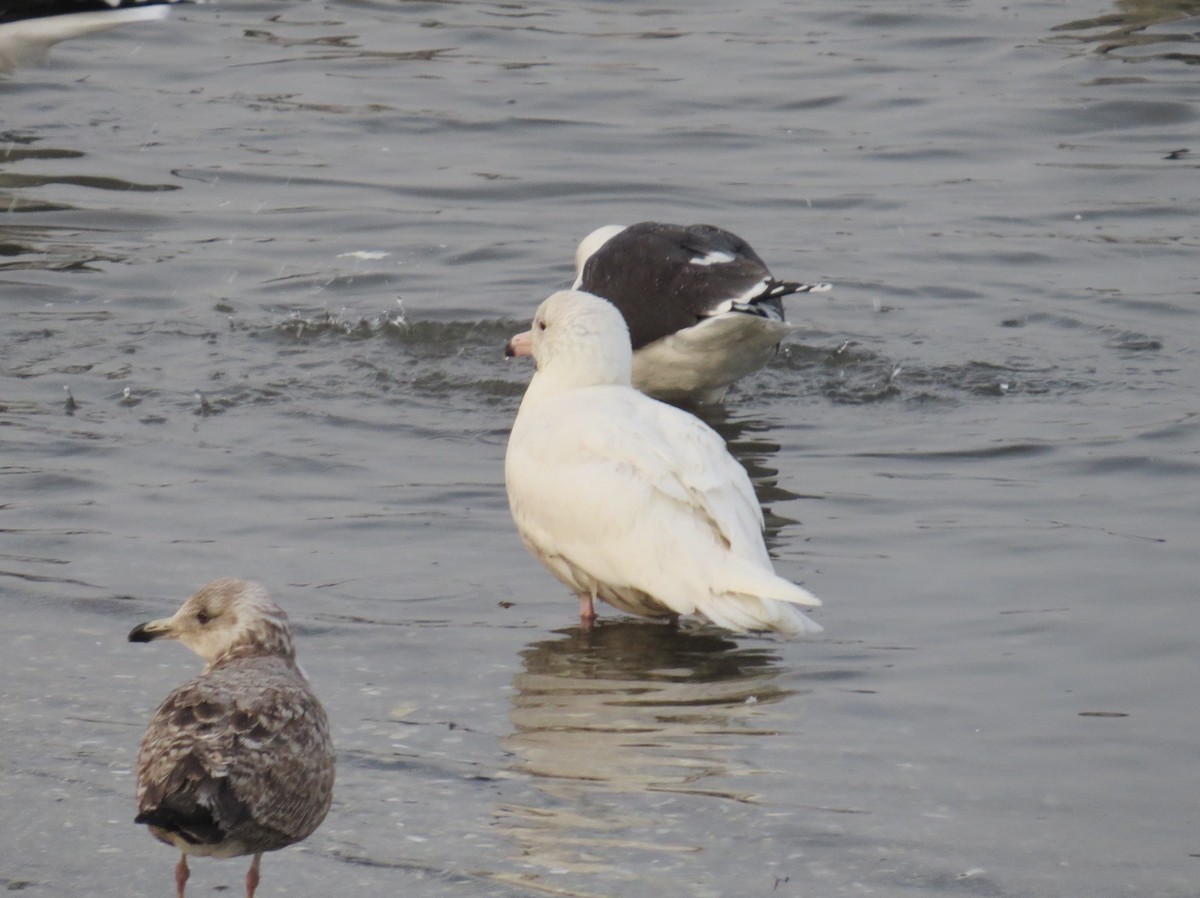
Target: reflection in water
606 719
1142 29
747 442
32 248
29 167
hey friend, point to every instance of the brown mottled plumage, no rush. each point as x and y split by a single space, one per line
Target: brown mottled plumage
238 760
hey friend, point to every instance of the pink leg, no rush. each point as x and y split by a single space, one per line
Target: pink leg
252 876
587 613
181 875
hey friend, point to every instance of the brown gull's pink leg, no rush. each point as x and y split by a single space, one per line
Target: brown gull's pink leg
181 875
252 876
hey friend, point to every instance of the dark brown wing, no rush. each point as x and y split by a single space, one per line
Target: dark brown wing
666 277
242 754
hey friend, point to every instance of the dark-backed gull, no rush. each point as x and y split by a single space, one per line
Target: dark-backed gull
703 309
630 500
238 760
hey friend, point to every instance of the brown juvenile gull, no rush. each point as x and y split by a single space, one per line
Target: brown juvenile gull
238 760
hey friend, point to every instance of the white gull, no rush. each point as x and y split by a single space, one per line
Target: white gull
630 500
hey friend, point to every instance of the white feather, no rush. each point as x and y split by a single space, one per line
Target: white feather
589 245
731 346
713 258
631 500
27 40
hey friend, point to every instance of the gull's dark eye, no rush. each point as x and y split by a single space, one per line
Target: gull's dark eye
541 325
204 617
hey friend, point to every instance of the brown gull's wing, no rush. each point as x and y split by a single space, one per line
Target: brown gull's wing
242 754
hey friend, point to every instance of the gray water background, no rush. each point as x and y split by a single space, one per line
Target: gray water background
981 449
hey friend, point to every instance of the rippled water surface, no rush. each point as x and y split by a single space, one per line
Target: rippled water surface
257 264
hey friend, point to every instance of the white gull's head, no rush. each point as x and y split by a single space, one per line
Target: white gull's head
225 617
577 340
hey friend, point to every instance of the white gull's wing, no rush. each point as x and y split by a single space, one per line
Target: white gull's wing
639 494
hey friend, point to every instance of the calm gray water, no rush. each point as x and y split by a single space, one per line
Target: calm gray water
981 450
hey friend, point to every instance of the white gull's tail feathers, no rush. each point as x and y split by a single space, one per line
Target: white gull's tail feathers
747 598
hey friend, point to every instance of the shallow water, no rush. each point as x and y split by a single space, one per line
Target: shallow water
298 235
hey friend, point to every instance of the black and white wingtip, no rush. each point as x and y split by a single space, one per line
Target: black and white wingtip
28 28
702 307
